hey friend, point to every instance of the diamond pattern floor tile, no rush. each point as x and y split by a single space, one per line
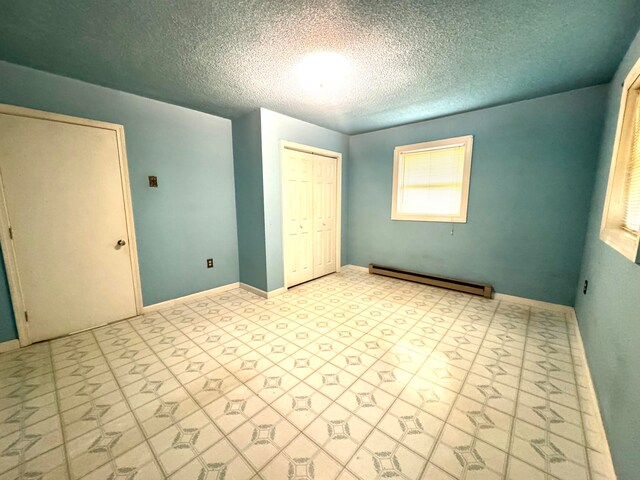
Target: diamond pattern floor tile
348 377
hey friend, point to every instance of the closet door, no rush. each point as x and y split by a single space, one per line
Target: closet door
298 216
324 215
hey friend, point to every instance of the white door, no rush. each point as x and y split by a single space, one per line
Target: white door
63 189
298 216
324 216
309 200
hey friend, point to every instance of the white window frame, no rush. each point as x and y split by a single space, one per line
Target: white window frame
465 141
611 231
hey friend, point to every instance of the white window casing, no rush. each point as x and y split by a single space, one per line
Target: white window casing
620 228
431 181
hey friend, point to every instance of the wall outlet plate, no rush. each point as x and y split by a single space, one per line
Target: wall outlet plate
209 262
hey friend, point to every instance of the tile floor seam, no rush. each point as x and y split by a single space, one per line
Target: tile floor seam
299 432
268 405
355 296
398 396
57 400
334 402
515 413
582 413
327 407
180 385
513 416
131 412
462 383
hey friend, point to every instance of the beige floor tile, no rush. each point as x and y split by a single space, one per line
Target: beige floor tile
51 465
383 457
163 411
330 380
29 442
26 413
135 463
351 376
430 397
463 455
234 408
91 415
301 405
183 441
26 389
548 452
90 451
367 401
263 437
387 377
212 386
220 461
339 432
302 459
482 421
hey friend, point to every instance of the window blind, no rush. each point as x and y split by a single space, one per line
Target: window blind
632 183
431 181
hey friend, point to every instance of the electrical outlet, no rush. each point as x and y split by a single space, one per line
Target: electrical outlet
586 286
209 262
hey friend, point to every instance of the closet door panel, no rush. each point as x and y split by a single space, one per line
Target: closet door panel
298 217
324 216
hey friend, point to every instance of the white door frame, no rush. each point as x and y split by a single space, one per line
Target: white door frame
8 251
286 145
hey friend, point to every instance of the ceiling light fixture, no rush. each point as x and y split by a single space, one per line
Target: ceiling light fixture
322 70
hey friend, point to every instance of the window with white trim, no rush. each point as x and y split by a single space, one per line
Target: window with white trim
431 180
631 219
621 218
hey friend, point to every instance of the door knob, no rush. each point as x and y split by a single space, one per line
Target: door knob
121 243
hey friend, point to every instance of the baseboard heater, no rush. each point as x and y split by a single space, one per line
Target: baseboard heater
482 289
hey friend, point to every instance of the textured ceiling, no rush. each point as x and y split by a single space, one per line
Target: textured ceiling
409 59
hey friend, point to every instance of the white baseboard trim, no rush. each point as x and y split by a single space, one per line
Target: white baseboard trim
262 293
357 267
592 391
9 345
189 298
533 303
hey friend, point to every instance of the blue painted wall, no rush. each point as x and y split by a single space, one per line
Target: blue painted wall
8 329
609 315
191 216
247 159
275 128
531 179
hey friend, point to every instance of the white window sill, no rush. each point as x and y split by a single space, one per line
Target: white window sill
427 218
623 242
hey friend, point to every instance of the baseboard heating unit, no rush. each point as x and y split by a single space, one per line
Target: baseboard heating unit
482 289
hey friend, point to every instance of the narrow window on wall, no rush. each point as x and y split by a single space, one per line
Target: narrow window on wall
431 181
621 218
632 183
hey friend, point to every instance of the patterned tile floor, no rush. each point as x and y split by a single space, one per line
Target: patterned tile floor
351 376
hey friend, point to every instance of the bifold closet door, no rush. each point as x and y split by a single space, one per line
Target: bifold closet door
63 189
309 189
324 216
298 216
